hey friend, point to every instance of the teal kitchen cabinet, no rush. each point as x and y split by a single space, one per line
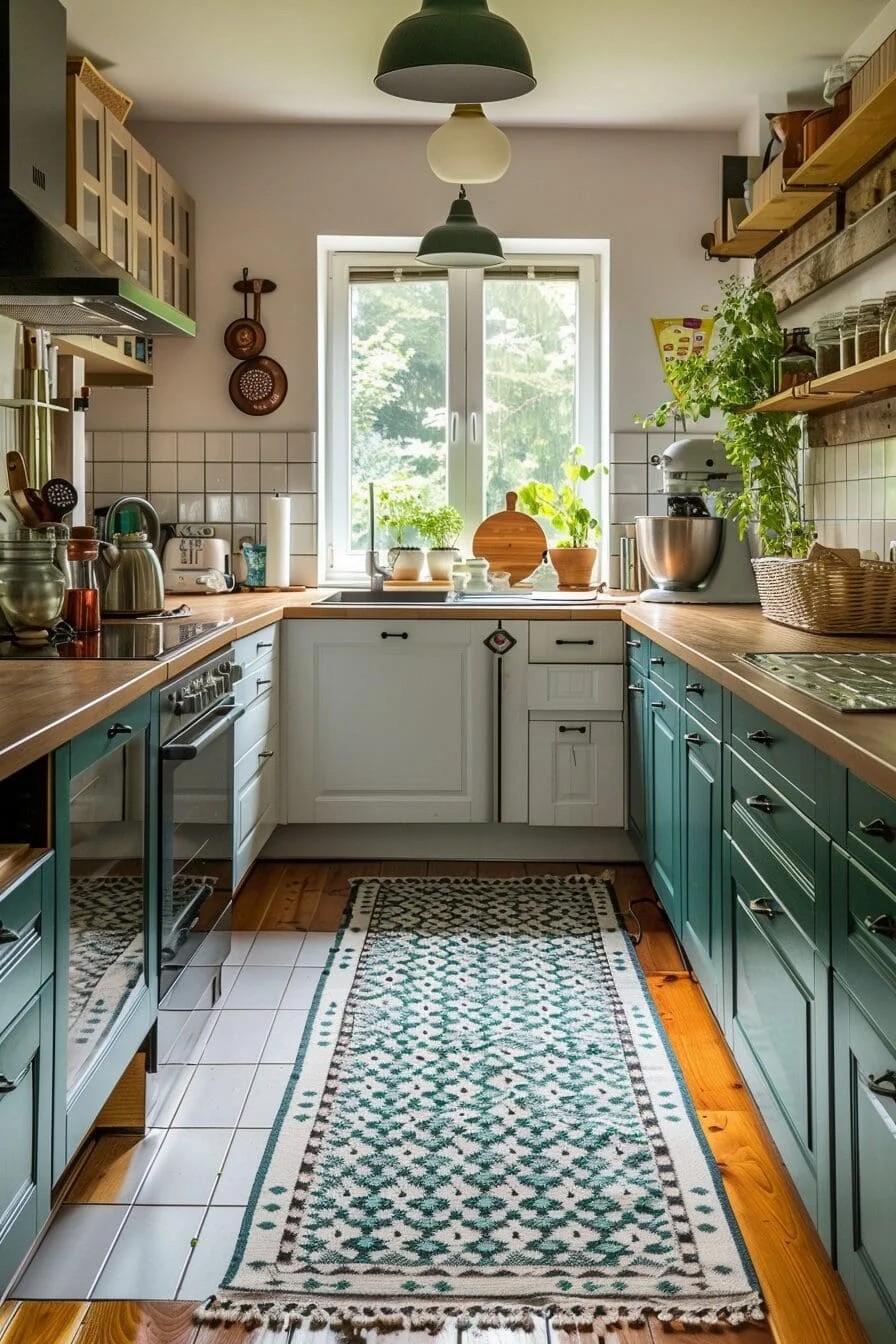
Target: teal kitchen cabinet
637 682
700 896
107 920
26 1061
663 799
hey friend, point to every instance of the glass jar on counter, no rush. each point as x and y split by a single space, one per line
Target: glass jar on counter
826 339
848 337
868 331
796 364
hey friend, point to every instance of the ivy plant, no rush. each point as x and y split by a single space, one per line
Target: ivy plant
764 448
564 508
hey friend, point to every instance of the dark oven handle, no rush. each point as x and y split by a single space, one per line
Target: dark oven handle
187 750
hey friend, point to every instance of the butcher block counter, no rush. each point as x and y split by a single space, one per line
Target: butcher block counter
46 702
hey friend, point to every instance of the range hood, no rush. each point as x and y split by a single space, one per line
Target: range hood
50 276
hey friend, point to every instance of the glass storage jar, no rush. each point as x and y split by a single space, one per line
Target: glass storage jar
826 339
886 312
848 337
868 331
796 364
32 589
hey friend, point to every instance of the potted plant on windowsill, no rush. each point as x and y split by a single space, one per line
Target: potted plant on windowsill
440 529
575 555
400 513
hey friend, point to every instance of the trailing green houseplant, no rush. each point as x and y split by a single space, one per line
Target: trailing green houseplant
764 448
570 516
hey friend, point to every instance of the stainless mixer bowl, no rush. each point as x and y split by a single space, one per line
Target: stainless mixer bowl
678 552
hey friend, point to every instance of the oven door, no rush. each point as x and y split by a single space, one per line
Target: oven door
197 864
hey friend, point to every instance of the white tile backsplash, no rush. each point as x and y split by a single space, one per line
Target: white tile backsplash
850 494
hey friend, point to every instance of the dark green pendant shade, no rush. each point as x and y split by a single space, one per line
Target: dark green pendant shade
455 51
461 241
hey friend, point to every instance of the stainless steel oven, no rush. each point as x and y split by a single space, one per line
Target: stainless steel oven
197 846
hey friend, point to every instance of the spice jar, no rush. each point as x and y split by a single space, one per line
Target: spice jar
848 337
868 331
82 600
797 363
826 339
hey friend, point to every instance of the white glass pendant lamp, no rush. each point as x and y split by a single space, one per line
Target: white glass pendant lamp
468 148
461 242
455 51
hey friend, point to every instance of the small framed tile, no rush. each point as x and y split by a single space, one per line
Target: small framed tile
304 508
186 1167
133 478
889 452
303 569
163 446
272 447
191 447
265 1095
628 478
212 1252
217 508
840 462
214 1097
190 477
190 508
275 949
300 988
300 478
315 949
852 461
302 539
878 498
134 446
218 447
130 1273
258 987
165 506
107 477
246 477
624 508
163 476
239 1036
300 446
240 1169
218 477
852 499
107 445
71 1255
629 446
282 1045
273 477
246 447
246 508
864 460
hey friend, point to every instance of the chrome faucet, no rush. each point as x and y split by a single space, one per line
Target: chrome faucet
376 571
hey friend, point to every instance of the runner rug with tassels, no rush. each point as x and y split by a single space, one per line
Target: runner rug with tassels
485 1123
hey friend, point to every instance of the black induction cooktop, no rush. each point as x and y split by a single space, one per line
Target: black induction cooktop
144 639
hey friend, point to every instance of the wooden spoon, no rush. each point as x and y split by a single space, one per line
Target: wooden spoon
22 496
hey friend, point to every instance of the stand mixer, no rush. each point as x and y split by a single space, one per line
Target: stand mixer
693 553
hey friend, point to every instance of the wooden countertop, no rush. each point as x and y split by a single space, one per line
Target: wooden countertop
46 703
708 637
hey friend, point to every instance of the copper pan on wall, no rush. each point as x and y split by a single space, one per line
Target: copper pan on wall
258 386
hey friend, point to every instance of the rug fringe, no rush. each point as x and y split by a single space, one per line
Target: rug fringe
390 1318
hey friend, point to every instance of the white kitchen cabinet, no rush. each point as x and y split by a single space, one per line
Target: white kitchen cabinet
389 720
256 747
576 772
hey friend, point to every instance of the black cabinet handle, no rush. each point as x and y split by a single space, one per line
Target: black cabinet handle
573 641
762 737
884 1085
386 634
575 729
8 935
884 926
658 662
119 730
265 755
262 681
694 738
657 704
10 1084
633 643
878 827
761 803
761 906
263 646
695 688
637 688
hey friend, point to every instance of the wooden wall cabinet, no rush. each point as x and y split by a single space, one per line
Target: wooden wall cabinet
175 246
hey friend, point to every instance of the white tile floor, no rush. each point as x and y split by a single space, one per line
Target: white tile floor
173 1225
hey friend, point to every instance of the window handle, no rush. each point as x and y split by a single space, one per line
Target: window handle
454 424
474 427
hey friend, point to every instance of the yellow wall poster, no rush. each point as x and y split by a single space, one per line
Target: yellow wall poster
679 337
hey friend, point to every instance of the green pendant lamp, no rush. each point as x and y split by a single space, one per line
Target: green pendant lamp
461 241
455 51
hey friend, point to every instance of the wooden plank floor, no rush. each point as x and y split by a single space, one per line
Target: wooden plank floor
807 1302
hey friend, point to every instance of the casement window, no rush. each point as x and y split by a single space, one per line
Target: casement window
465 384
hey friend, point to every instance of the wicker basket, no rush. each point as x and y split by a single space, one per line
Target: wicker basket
827 595
118 103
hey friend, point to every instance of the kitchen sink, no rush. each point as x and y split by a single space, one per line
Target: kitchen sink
353 597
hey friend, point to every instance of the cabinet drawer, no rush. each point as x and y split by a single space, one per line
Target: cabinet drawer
26 937
571 687
666 671
256 778
780 756
251 649
575 642
261 716
25 1130
871 828
864 938
111 734
779 839
637 649
702 697
770 904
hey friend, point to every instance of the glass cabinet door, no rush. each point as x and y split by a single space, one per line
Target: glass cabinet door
107 945
87 177
119 210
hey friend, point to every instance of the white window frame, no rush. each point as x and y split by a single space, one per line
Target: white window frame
337 256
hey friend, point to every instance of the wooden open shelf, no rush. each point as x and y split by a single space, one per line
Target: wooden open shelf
835 389
788 207
864 135
104 364
745 244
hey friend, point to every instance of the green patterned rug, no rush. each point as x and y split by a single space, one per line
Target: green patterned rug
485 1123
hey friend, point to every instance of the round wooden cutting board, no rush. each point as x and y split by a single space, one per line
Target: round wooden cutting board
510 540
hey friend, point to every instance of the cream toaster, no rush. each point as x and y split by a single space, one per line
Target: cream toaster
188 560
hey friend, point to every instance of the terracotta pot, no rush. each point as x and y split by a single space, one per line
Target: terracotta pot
574 565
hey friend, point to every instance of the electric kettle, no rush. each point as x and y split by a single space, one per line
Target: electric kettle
130 571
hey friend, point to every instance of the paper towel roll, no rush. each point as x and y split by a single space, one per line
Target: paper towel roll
277 571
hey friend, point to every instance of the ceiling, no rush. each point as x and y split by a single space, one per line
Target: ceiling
684 64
